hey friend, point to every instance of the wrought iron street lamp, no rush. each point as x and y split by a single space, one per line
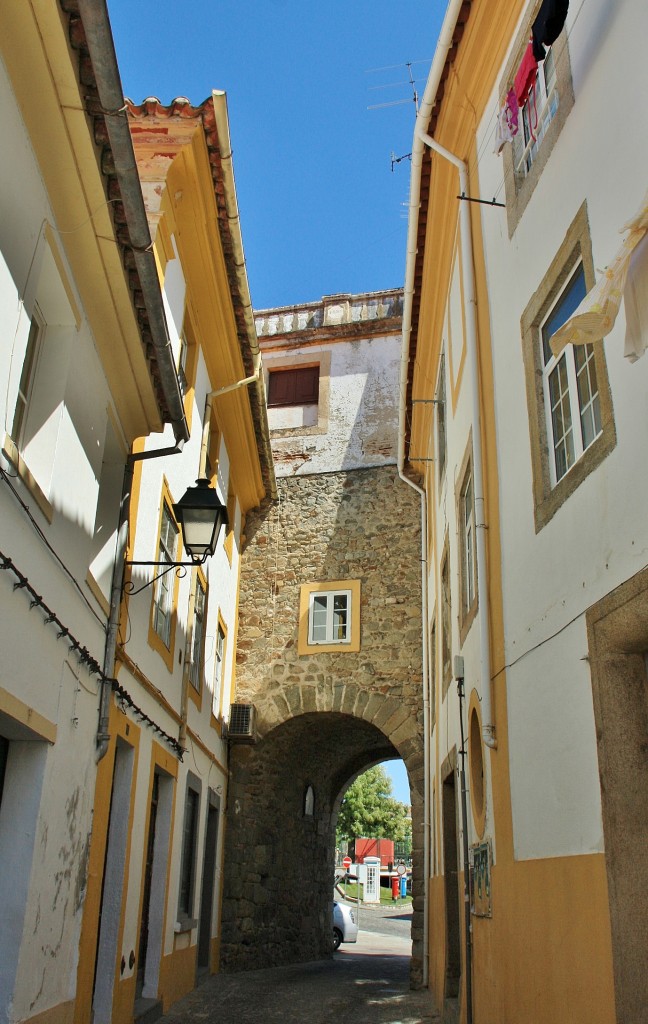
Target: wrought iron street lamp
200 515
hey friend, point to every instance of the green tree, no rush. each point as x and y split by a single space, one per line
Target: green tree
368 809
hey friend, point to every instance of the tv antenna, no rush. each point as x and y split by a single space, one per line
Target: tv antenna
411 81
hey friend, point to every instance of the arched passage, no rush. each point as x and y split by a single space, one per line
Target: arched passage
279 857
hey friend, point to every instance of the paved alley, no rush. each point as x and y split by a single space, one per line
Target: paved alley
365 983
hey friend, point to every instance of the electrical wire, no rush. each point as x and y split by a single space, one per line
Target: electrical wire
552 636
7 479
84 656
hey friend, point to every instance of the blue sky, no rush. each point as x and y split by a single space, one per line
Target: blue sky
321 210
400 784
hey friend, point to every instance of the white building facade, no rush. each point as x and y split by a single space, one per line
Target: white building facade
77 387
536 455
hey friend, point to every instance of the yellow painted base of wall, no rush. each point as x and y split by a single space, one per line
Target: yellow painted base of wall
124 1001
214 955
177 975
545 956
61 1014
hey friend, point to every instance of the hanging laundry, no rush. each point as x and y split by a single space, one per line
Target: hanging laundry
548 25
512 111
597 313
503 133
525 76
507 122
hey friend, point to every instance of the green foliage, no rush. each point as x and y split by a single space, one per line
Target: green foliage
368 809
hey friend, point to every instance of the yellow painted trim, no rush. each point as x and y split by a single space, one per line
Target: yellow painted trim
123 727
150 687
189 200
303 646
27 716
478 813
124 999
177 975
549 938
11 451
163 244
455 379
228 544
97 593
133 518
198 579
214 953
191 367
154 640
52 241
163 759
193 735
122 995
34 41
215 720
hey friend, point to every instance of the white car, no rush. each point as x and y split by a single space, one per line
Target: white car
345 924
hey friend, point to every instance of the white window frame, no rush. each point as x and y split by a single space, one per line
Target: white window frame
182 364
189 854
164 585
441 419
198 634
468 541
28 375
543 103
219 657
329 596
560 383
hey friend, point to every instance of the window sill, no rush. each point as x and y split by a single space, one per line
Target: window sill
346 648
466 620
185 924
11 452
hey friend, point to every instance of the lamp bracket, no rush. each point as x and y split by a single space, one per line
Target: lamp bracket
180 571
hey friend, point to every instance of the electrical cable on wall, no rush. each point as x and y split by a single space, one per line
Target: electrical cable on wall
7 479
84 656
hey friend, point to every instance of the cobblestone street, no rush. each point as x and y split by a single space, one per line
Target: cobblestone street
364 983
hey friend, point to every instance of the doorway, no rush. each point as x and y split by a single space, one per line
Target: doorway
146 895
113 883
208 884
617 628
451 877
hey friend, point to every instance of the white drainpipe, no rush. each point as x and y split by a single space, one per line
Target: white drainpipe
418 149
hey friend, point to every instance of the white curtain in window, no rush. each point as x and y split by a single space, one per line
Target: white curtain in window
597 313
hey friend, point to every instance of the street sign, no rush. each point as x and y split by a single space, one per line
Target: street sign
346 863
401 869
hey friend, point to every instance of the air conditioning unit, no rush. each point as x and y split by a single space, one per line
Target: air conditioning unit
240 727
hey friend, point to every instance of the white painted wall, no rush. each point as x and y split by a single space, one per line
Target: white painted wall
359 422
46 812
180 472
458 413
599 536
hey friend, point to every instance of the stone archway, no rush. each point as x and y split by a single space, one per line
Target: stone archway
322 714
279 859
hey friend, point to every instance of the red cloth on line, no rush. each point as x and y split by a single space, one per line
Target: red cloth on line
526 76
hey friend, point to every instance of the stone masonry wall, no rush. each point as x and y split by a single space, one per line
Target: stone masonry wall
363 524
322 718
